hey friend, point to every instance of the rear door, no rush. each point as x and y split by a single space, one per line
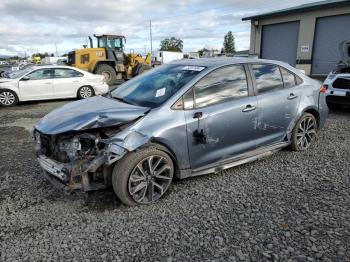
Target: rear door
37 85
220 116
66 82
278 100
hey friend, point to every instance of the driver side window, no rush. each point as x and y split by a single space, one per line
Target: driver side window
223 84
40 74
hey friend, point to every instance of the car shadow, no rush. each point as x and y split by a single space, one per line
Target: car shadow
37 102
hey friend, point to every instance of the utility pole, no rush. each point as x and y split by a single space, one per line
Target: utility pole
150 34
56 50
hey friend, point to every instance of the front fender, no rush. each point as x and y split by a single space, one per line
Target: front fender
11 88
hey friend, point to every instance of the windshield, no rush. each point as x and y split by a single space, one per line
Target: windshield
18 74
157 86
112 43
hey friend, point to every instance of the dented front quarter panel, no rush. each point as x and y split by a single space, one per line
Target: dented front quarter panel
155 127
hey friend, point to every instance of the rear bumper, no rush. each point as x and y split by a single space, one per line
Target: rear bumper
101 89
339 100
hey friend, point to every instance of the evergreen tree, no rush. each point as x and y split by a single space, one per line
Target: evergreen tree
229 44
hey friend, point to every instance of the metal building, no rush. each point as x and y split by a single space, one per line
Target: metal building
307 36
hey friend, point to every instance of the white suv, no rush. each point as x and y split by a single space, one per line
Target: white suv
338 89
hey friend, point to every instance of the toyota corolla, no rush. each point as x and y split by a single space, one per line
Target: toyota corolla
183 119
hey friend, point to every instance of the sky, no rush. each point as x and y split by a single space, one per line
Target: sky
29 26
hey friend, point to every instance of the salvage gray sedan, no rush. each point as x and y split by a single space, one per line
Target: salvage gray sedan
183 119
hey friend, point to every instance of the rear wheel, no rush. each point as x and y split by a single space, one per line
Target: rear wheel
142 177
86 92
8 98
304 133
108 73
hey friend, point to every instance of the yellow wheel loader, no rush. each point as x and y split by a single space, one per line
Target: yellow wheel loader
108 59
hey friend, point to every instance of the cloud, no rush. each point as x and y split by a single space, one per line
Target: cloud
37 25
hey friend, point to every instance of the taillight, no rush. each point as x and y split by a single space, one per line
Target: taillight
323 89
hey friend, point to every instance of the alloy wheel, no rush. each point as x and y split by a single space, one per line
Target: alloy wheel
7 98
150 179
306 132
85 92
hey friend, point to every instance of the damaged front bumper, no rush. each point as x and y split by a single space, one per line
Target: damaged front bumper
82 161
80 175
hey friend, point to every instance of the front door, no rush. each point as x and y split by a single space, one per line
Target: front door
220 116
278 101
36 85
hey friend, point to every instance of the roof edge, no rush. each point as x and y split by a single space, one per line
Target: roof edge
299 9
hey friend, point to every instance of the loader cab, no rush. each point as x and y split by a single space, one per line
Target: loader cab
112 42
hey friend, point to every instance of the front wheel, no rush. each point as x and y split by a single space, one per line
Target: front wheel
142 177
304 133
8 98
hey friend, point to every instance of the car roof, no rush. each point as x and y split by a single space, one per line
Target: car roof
52 66
219 61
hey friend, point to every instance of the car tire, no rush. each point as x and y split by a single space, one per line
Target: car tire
304 133
134 181
108 72
86 92
8 98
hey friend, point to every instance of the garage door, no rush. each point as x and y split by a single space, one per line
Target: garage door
330 32
280 42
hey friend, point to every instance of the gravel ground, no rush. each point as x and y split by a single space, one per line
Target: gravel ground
290 206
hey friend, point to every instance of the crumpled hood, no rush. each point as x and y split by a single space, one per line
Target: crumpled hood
89 113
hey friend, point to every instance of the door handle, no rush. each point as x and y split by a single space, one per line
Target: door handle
198 115
291 96
249 108
48 83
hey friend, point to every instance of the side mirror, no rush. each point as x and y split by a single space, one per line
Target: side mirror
25 78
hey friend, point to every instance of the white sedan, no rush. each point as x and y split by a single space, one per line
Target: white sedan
49 82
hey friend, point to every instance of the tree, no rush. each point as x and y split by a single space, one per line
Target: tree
229 43
41 55
171 44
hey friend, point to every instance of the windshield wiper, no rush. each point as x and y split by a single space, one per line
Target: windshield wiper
121 100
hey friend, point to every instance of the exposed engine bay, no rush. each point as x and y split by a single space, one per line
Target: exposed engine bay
344 64
70 148
78 159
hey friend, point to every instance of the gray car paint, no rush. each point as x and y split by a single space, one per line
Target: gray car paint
173 128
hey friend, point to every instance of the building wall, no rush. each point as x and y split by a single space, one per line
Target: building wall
306 32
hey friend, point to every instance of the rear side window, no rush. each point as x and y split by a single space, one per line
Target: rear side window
66 73
268 77
223 84
288 78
